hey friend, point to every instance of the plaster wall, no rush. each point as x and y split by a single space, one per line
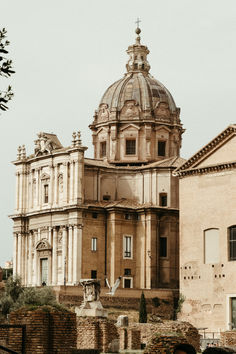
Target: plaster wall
207 201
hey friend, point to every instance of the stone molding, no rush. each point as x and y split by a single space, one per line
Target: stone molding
206 169
183 170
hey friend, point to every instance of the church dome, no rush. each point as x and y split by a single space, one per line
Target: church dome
140 87
138 92
137 121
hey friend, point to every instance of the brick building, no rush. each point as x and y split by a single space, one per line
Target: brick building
115 214
208 234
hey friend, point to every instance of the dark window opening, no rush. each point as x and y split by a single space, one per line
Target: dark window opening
142 66
94 215
163 246
103 149
136 66
127 283
46 193
106 197
232 243
127 271
128 216
93 274
163 199
161 148
137 216
130 147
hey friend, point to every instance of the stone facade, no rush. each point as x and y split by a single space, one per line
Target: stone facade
114 215
207 229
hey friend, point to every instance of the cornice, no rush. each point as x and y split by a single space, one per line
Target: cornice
196 158
207 169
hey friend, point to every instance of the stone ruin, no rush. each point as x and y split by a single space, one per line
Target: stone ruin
91 305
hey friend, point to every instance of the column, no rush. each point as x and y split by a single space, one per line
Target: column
113 250
54 256
142 253
39 235
55 198
71 181
50 229
19 255
75 256
80 179
64 253
30 260
80 244
31 189
25 260
76 182
37 187
50 196
65 182
35 263
15 254
148 250
17 190
20 191
70 254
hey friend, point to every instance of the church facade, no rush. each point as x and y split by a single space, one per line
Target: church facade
113 215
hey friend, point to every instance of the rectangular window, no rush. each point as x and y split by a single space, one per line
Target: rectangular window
161 148
163 199
93 274
232 243
127 271
127 283
94 244
163 246
94 215
103 149
212 246
233 312
127 246
46 193
130 148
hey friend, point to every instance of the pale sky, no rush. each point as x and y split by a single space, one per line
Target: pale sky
67 52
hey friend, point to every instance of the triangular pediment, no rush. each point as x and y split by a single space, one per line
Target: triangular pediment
220 150
45 176
162 127
128 126
102 130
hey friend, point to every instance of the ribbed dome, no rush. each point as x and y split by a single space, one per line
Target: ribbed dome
140 87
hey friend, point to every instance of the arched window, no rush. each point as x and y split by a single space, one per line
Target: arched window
232 243
211 246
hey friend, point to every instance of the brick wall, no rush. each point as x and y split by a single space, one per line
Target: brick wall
163 344
47 331
147 330
228 338
95 333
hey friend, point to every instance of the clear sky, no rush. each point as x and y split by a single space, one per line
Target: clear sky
67 52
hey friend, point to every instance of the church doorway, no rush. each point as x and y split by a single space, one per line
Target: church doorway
44 271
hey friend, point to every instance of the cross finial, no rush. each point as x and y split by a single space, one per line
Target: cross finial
138 22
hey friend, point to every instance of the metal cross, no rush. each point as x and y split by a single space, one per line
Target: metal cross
138 22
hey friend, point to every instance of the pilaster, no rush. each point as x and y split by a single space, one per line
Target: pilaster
70 255
54 257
